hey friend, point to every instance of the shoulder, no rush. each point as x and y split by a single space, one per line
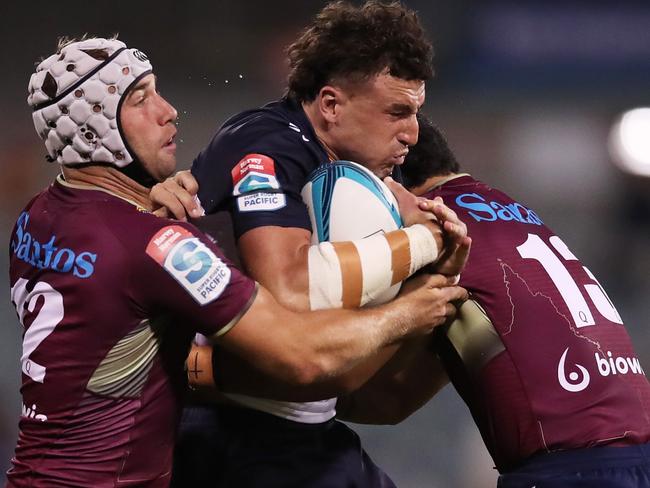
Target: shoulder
268 130
130 226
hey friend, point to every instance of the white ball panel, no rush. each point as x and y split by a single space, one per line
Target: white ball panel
355 212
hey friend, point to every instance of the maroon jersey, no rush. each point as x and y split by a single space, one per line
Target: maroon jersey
109 297
560 371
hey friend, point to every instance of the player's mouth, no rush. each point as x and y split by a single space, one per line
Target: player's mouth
399 158
170 144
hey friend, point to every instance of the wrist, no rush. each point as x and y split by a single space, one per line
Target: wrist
425 242
200 372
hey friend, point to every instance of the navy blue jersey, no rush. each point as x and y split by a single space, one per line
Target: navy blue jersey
256 165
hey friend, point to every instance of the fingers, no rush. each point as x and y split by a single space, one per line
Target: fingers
179 200
162 212
184 197
450 310
453 262
426 280
438 280
186 180
443 303
459 258
170 204
428 205
453 294
454 227
446 303
433 282
451 223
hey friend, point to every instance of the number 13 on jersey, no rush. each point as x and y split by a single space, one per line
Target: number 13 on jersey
535 248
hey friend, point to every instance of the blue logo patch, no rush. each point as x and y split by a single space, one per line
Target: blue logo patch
256 182
190 262
48 255
482 210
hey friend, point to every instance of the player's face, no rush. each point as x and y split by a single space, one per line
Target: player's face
378 123
147 121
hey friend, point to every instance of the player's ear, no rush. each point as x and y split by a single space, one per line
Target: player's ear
329 101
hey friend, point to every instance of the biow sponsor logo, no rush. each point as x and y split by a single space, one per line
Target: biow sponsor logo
578 379
618 365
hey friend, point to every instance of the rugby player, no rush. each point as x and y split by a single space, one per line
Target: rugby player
111 295
539 352
357 81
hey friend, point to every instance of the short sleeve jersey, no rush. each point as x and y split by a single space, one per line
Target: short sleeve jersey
256 166
562 372
109 297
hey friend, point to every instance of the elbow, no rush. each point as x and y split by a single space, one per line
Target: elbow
304 370
291 291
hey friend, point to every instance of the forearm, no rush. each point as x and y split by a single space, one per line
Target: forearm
405 384
306 276
354 273
305 348
236 375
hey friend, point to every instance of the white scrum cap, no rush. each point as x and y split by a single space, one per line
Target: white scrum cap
76 96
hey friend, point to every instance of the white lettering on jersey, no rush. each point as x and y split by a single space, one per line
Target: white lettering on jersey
43 324
261 202
606 366
31 413
572 384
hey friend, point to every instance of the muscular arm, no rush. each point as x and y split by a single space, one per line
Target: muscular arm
401 387
249 378
277 258
310 347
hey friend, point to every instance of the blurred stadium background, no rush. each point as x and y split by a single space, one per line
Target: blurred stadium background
527 92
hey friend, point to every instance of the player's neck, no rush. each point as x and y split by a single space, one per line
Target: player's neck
110 180
432 182
316 123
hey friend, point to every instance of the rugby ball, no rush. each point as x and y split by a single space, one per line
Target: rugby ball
347 202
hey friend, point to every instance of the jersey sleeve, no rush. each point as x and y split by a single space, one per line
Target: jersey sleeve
182 272
256 173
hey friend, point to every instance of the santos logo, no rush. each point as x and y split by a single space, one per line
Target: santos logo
578 381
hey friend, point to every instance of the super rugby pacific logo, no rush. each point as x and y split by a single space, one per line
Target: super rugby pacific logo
190 262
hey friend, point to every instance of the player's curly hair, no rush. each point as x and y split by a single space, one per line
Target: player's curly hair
356 43
431 156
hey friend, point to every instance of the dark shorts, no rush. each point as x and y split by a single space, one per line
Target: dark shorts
598 467
243 448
